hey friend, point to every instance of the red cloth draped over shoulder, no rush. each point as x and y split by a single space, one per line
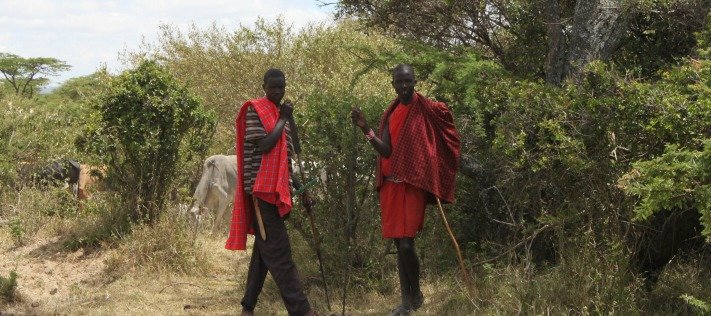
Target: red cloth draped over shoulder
427 153
272 182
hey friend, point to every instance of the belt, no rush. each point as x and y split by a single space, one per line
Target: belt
392 179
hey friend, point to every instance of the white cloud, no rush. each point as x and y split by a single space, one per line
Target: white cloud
87 34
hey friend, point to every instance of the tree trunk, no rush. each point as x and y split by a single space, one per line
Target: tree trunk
598 26
555 61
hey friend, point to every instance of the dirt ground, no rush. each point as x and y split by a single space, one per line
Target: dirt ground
54 281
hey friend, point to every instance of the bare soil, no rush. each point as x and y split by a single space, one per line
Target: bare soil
54 281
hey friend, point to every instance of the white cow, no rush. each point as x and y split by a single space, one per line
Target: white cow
216 189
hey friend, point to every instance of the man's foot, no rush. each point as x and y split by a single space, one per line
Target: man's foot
400 310
417 301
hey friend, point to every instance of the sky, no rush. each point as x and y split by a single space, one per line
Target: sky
89 34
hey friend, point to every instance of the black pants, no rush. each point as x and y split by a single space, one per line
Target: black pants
274 255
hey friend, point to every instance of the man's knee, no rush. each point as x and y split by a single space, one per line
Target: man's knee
406 245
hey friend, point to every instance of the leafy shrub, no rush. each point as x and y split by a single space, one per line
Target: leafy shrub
34 132
678 179
700 305
16 230
149 128
64 203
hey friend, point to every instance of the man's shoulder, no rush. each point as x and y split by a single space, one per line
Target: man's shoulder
432 103
260 103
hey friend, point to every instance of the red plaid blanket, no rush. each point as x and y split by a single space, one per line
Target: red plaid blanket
427 154
272 182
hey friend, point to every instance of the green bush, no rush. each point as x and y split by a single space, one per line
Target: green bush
34 132
16 231
550 160
678 179
148 129
700 305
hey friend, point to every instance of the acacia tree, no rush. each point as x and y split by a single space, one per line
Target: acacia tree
27 74
551 39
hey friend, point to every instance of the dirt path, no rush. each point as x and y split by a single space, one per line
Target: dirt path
47 275
53 281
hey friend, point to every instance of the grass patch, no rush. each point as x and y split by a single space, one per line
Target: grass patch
8 288
101 222
592 281
31 210
168 246
683 287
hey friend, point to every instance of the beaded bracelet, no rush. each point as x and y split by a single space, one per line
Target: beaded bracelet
370 135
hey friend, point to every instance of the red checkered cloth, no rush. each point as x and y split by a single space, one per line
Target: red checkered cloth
427 153
272 182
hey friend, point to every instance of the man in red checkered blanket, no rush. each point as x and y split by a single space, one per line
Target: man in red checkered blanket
264 146
418 149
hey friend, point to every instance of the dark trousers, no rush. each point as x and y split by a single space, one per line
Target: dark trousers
274 256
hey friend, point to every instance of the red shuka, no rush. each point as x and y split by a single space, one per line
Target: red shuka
427 153
272 182
402 205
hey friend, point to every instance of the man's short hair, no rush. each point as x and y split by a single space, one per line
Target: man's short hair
403 67
273 73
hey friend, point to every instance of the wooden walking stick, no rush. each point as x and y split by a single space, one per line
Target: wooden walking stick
465 274
260 222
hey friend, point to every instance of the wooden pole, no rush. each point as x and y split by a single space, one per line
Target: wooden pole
260 222
465 273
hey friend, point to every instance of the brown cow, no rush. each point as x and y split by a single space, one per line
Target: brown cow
88 176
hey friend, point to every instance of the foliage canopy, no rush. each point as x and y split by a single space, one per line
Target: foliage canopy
26 75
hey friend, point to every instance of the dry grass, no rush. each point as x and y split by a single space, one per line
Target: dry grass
166 269
76 283
171 268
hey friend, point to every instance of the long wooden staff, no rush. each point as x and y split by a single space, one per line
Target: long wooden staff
260 221
465 274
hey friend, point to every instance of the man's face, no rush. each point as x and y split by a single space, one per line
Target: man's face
404 84
274 89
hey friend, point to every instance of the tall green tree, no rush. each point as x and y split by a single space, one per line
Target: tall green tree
26 75
548 39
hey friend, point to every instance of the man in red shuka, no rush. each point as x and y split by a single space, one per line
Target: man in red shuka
264 129
418 147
